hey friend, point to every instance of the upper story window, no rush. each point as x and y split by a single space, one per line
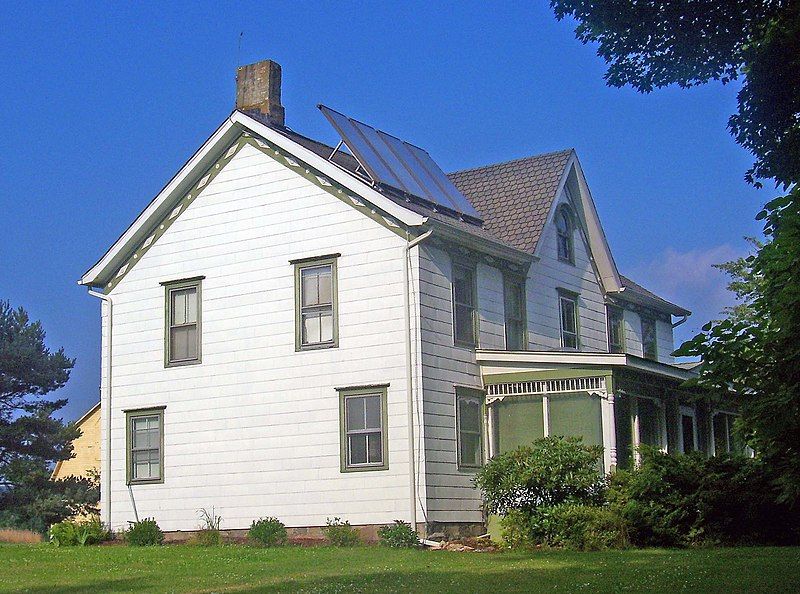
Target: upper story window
616 329
464 305
649 338
182 341
564 234
316 303
514 298
568 309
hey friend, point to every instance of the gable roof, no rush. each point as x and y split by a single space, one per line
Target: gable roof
636 293
515 197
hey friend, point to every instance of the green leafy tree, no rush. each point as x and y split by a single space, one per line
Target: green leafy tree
31 440
753 356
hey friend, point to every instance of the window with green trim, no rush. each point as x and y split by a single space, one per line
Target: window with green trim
514 298
363 417
183 340
616 329
564 235
649 338
316 304
469 427
568 310
145 446
464 305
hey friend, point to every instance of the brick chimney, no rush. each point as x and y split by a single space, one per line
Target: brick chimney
258 88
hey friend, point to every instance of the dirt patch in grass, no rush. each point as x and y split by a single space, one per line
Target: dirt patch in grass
14 536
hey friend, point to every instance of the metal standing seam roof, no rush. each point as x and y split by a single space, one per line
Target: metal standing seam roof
514 198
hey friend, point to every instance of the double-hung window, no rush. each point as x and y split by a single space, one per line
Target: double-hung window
514 298
182 340
568 312
464 301
616 330
145 441
469 427
316 303
363 434
649 338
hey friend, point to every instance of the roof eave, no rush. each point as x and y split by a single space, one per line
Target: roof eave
661 305
481 244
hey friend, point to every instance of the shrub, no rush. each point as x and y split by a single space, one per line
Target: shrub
144 533
267 532
577 527
551 471
690 500
70 534
398 535
209 534
341 534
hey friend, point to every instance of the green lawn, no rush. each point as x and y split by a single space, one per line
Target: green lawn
42 568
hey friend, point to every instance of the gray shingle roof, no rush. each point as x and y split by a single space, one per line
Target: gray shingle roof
514 197
636 292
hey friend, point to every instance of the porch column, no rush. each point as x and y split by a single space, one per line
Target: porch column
609 432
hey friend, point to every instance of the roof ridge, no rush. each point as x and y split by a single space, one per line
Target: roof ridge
511 161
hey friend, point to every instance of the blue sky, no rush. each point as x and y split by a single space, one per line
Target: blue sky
102 103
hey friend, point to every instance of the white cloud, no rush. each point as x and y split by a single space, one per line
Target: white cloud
690 280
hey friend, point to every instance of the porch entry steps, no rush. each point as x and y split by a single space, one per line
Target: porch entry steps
542 387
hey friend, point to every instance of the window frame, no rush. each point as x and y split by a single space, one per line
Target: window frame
566 212
688 411
565 295
179 285
130 415
519 282
358 392
472 268
611 311
315 262
463 392
648 319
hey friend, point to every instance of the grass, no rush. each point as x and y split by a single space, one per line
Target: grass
43 568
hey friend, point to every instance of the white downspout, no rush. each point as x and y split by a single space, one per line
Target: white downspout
412 477
107 405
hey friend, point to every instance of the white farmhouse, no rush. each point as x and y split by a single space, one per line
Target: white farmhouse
297 331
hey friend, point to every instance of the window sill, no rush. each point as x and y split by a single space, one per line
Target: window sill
133 482
364 468
316 347
169 364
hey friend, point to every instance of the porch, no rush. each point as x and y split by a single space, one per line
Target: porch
618 401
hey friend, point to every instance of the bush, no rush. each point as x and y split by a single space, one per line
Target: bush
144 533
341 534
398 535
70 534
209 534
692 500
577 527
267 532
551 471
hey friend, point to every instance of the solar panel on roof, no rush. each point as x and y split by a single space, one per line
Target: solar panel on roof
394 162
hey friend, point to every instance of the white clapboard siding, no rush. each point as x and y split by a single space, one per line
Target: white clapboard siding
544 279
451 496
254 430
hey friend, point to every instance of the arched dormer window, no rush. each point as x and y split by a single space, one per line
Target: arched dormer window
565 231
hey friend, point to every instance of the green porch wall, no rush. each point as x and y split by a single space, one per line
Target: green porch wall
576 415
520 421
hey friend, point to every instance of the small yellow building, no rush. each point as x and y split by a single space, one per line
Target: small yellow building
86 448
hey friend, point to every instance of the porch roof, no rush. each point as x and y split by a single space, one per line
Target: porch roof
496 365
